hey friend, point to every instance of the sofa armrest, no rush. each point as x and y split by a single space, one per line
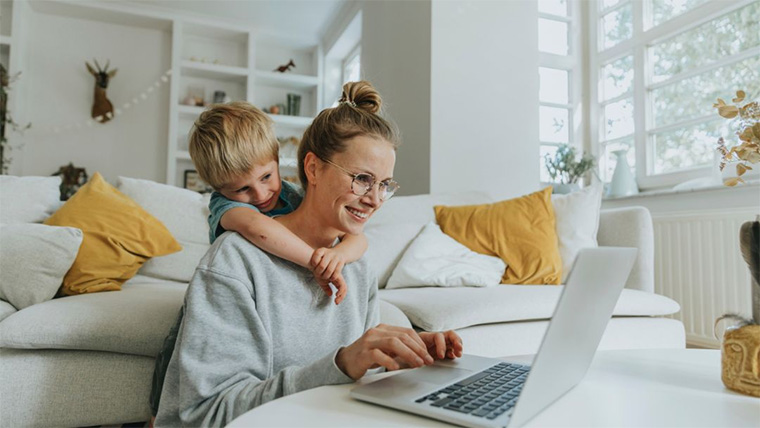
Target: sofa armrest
631 227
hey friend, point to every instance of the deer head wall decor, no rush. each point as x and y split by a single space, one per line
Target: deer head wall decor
102 109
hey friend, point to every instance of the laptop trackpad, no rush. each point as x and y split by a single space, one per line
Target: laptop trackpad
435 374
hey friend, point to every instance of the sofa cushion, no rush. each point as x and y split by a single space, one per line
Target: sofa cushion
434 309
119 236
184 213
521 231
34 258
392 315
393 227
6 310
28 199
436 259
577 216
134 320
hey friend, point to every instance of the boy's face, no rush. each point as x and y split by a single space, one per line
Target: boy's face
260 187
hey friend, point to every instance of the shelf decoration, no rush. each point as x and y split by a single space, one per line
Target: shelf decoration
137 99
102 109
286 67
748 151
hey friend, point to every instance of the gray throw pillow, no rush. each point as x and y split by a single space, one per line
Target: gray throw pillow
34 258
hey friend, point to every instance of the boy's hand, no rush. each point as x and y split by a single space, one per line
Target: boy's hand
327 266
327 262
340 287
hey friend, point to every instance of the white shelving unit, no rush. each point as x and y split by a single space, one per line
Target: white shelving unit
209 57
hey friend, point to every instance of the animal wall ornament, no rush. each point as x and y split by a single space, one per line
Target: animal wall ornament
285 67
102 109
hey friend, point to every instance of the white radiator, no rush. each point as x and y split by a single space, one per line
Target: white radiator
698 263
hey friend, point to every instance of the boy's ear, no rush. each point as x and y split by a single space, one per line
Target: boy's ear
310 164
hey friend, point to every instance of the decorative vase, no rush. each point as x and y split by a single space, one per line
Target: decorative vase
740 350
740 359
564 188
623 181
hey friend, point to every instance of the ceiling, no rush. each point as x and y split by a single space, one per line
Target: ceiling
299 18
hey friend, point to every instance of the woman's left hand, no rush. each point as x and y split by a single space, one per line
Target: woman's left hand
440 345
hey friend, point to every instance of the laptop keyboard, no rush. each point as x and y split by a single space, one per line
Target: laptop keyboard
486 394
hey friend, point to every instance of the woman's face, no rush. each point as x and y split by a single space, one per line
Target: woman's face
343 210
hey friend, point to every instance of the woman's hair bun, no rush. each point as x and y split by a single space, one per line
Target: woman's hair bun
362 95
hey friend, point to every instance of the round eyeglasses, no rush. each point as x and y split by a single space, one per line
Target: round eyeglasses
363 183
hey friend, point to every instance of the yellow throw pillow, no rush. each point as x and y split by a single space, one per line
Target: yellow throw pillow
520 231
119 236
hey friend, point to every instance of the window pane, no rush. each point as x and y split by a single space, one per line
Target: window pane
688 147
608 160
552 36
662 10
694 97
617 26
728 35
555 7
550 150
617 78
554 124
618 119
553 85
609 3
352 69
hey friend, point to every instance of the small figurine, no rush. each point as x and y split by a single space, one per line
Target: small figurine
72 178
286 67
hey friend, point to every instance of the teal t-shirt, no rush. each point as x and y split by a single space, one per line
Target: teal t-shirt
291 196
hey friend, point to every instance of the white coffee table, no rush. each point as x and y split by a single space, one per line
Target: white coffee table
642 388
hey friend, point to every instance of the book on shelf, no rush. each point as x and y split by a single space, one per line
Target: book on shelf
294 105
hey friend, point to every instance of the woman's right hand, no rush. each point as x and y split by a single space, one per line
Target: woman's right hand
383 346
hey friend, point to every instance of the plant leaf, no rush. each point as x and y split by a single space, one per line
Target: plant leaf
721 102
756 130
740 169
733 181
729 112
746 135
740 95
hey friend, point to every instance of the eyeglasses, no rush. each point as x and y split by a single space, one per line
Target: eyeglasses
363 183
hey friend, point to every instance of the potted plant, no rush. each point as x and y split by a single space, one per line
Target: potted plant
566 168
748 151
6 121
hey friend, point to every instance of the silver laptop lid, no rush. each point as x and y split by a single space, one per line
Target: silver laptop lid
565 354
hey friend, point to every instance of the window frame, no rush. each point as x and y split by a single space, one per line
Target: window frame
638 46
353 53
573 64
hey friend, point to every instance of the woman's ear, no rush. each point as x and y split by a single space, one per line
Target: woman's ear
310 166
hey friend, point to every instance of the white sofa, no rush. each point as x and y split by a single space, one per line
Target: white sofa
88 359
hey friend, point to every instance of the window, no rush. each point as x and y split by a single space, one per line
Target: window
352 66
559 77
660 65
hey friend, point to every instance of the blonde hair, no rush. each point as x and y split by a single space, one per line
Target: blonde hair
357 114
228 140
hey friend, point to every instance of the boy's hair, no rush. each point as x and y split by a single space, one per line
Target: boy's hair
227 140
357 114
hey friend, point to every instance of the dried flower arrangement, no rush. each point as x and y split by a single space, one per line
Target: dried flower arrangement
749 134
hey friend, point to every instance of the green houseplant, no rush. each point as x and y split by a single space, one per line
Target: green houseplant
566 167
6 119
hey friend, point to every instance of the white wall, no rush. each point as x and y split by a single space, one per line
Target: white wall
484 105
396 59
59 91
461 80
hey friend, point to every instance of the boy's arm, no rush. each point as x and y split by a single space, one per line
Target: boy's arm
352 247
267 234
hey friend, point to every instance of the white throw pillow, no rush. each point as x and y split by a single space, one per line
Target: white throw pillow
185 213
28 199
436 259
577 216
34 258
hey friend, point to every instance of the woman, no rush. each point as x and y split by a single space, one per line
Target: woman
258 327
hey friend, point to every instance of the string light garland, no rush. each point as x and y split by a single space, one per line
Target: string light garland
89 123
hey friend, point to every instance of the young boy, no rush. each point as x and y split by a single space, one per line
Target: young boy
235 151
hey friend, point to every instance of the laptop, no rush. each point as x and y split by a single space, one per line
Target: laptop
477 391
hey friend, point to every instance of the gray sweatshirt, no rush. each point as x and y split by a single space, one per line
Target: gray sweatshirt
256 328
